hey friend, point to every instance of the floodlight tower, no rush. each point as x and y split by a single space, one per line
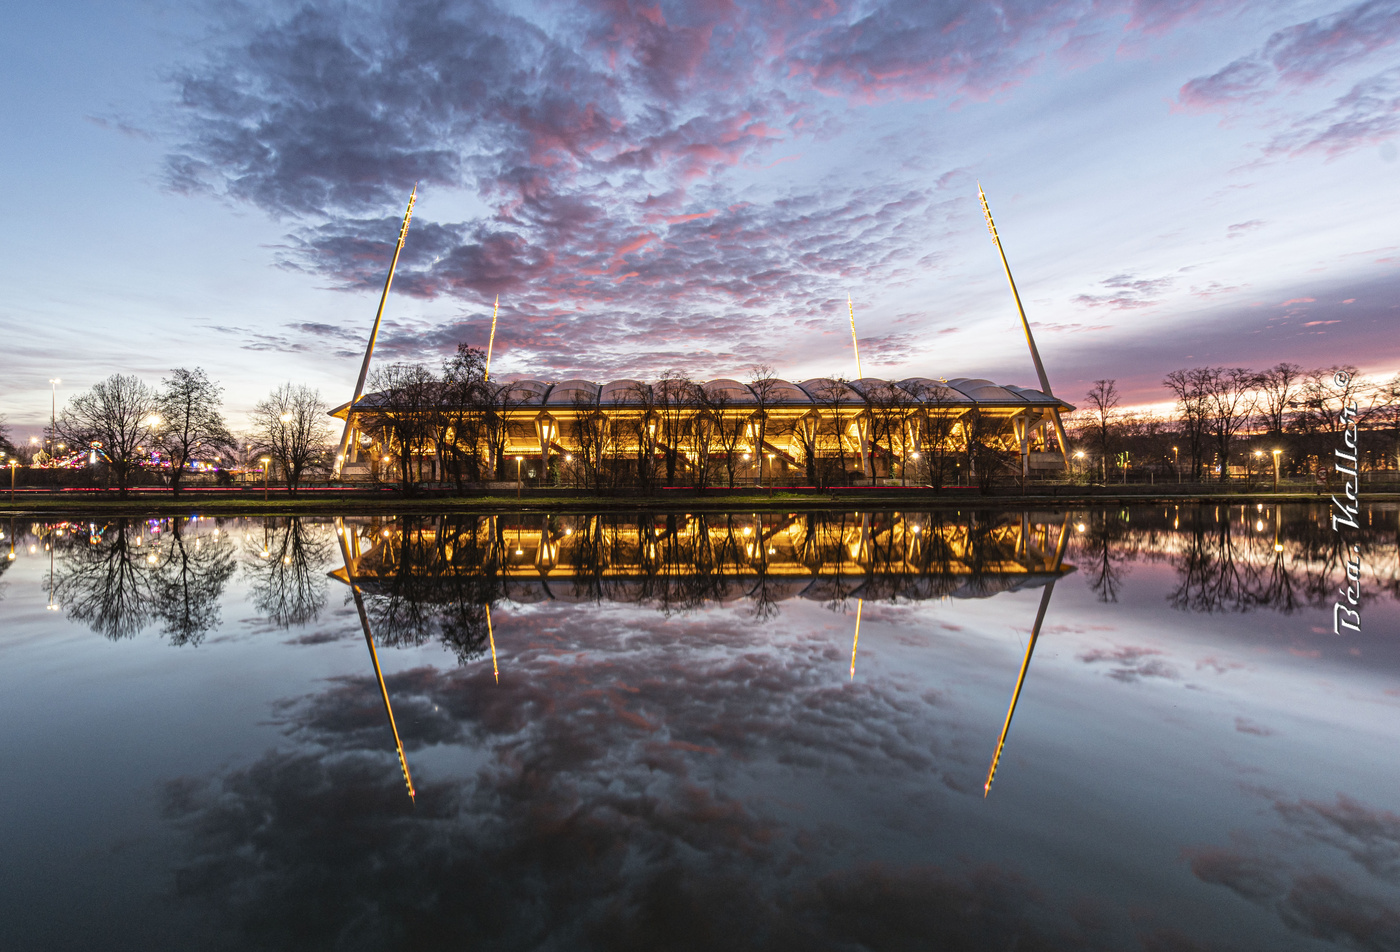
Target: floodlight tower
1026 326
373 336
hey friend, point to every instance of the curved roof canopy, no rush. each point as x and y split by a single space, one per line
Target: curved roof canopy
814 393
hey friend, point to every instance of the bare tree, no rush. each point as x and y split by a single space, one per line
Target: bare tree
109 586
290 426
891 407
189 583
1320 400
641 404
592 436
1385 412
1103 400
1192 389
406 404
460 420
805 431
830 436
764 383
501 400
939 447
703 438
115 418
1277 388
288 571
7 448
726 428
675 412
1232 399
190 425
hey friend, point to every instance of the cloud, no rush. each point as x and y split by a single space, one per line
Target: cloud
1241 228
1311 54
1367 114
1127 292
1245 726
1350 904
606 150
1369 836
599 810
1132 664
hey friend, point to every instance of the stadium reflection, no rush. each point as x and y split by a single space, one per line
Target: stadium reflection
657 732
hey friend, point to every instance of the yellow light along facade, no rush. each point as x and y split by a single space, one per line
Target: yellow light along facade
870 430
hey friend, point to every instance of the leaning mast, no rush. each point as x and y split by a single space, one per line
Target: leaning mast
1025 324
373 336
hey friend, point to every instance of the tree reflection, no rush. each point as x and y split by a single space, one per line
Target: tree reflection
110 583
1237 558
1105 546
287 565
191 580
121 576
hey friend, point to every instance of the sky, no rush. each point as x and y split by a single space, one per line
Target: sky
695 186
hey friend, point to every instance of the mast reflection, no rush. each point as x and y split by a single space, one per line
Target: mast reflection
1026 661
349 579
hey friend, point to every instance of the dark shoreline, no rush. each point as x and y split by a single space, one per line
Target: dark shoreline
335 502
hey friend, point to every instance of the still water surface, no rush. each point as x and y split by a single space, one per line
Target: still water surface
672 732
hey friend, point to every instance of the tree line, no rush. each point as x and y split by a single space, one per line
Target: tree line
1235 416
127 427
678 431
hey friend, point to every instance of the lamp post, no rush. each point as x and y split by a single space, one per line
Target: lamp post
770 473
1276 453
267 471
12 464
518 461
1176 464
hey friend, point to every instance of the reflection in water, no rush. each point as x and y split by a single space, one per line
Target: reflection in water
120 576
422 576
1237 558
287 566
855 642
419 569
373 654
194 573
1020 683
692 771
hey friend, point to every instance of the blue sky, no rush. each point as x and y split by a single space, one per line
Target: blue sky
696 186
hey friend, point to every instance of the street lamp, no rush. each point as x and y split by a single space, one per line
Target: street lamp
518 461
13 463
1276 453
1176 464
267 471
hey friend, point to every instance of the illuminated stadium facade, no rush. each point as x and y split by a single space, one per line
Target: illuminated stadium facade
821 431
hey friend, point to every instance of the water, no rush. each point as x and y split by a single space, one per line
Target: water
663 732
